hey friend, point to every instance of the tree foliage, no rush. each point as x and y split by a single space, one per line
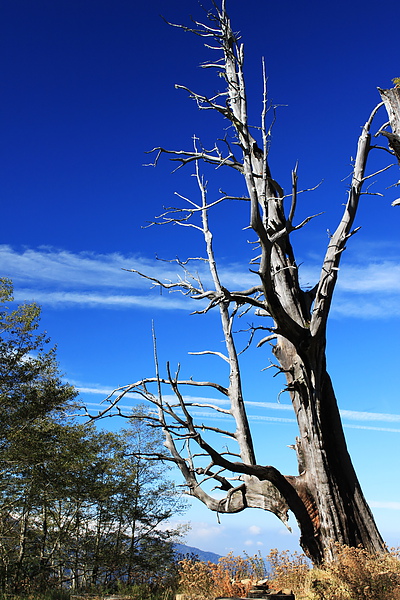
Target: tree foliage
78 506
78 510
30 382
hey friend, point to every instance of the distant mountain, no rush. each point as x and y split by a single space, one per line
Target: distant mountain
184 550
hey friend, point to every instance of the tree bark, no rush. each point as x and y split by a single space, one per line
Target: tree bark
391 99
327 482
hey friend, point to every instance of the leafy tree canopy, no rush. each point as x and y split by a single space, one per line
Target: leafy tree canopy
30 382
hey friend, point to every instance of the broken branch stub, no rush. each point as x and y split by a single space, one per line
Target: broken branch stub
391 99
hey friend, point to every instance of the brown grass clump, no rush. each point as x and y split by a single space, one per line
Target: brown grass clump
196 579
232 576
357 575
288 571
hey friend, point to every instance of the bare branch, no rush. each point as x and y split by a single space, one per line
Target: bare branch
186 157
294 194
225 358
268 338
337 243
212 406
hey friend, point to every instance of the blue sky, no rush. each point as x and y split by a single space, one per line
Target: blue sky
88 87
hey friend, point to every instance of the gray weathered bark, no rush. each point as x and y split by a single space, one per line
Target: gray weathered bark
325 496
391 99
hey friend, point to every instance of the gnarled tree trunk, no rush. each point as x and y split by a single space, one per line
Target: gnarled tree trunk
327 483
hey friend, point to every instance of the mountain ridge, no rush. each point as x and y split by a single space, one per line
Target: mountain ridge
190 552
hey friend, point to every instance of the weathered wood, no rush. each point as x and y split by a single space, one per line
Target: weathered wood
391 98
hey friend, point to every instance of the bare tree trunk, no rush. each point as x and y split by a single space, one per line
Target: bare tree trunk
327 483
22 543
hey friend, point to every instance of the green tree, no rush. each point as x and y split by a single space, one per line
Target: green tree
33 398
81 509
130 538
78 506
148 502
30 381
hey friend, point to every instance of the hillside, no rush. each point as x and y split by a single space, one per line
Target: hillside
183 550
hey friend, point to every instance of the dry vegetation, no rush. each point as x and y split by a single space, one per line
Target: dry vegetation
355 575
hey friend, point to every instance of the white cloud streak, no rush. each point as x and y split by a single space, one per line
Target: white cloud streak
368 416
49 266
371 428
102 391
347 415
94 300
385 505
379 277
64 279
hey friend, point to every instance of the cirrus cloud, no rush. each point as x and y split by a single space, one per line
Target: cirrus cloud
61 278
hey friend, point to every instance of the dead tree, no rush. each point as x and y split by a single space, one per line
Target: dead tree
325 496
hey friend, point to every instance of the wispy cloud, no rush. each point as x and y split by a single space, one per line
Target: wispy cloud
60 278
386 505
371 428
372 306
204 531
370 289
379 277
357 418
255 530
92 389
64 279
362 417
64 299
369 416
253 543
49 266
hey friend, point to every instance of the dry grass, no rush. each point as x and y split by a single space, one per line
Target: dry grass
232 576
288 571
355 575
